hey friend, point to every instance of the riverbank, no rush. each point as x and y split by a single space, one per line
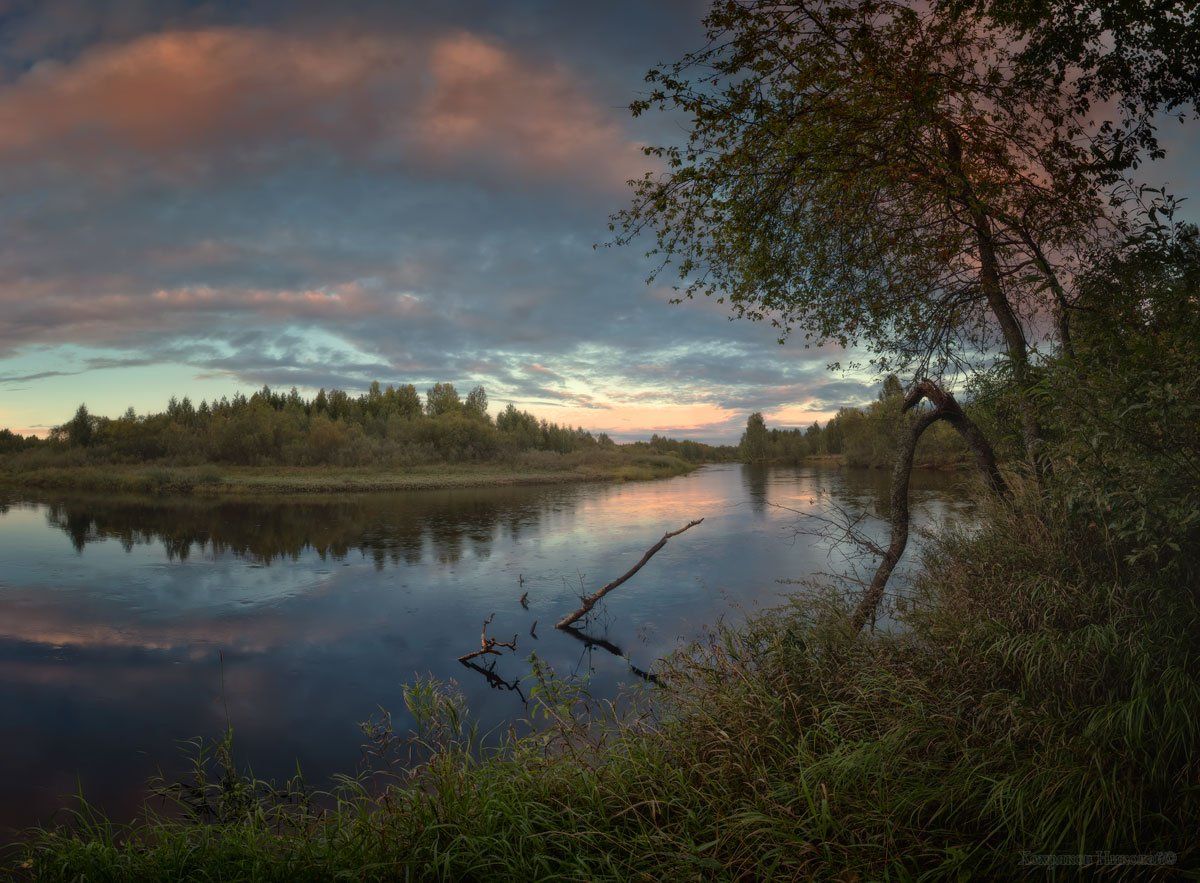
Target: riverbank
788 748
215 480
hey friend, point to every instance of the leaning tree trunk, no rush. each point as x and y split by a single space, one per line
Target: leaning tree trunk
944 408
989 283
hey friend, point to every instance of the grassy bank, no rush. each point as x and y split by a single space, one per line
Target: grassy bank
213 480
1043 699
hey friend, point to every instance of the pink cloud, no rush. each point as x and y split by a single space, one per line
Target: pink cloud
486 99
181 99
347 299
186 92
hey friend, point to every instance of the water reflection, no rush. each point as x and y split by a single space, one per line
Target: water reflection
387 527
129 624
602 643
493 680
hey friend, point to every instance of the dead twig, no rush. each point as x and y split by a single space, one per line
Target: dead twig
589 601
488 645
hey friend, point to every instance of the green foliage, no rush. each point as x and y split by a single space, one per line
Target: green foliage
442 399
476 404
1144 55
81 430
754 445
691 451
862 436
12 442
1126 411
385 427
870 172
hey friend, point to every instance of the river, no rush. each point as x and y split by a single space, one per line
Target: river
130 624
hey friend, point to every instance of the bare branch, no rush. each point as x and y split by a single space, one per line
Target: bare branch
487 646
589 601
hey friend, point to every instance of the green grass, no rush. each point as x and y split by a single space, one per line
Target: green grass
1043 698
213 480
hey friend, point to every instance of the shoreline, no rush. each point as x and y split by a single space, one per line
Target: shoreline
212 481
216 481
838 461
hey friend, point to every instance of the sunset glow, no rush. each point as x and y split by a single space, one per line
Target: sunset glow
203 201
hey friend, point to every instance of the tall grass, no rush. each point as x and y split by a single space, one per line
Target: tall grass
1043 698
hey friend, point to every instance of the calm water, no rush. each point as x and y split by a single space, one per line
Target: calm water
115 613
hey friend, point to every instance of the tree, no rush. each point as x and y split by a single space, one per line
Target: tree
755 439
477 403
873 171
81 429
442 398
408 402
1141 57
892 388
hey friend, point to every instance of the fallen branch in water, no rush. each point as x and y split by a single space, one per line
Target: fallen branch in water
589 601
488 645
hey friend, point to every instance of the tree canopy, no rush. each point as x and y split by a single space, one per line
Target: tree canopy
883 172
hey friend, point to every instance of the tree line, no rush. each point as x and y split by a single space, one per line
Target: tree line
860 436
392 425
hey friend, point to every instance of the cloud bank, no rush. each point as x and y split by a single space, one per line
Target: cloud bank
293 195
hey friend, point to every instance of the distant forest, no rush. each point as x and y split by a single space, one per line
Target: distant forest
867 436
390 425
396 426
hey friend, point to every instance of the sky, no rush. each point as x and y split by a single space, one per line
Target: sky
198 198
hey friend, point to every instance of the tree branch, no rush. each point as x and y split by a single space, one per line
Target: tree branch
944 408
589 601
488 645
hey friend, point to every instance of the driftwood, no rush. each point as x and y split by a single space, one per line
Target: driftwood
487 646
589 601
944 408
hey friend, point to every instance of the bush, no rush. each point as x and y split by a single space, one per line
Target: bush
1125 413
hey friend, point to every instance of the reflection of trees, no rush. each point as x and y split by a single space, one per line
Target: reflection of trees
754 477
390 528
870 489
853 487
